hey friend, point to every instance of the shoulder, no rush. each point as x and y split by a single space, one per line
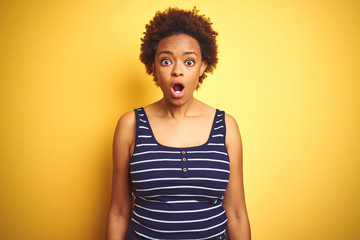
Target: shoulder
231 125
126 125
232 131
127 120
230 122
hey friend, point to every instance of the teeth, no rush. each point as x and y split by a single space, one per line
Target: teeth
177 91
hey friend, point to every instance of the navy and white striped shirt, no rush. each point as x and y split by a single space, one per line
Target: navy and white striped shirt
179 191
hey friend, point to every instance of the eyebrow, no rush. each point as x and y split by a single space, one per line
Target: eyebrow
171 53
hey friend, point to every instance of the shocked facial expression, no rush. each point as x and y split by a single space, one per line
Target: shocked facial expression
178 65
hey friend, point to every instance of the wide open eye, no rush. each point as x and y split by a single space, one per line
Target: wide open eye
189 62
165 62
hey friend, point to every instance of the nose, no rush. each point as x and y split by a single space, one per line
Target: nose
177 71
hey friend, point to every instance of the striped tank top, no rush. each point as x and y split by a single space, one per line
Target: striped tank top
179 191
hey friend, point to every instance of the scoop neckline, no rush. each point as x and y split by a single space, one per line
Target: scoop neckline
181 148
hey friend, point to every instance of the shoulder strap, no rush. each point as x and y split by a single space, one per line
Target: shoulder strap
217 137
144 136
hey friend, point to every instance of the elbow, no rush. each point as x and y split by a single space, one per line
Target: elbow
236 216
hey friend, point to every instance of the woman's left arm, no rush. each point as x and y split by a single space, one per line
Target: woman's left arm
238 226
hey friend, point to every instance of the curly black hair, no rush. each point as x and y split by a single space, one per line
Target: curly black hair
177 21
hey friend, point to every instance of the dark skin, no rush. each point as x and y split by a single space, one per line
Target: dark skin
177 58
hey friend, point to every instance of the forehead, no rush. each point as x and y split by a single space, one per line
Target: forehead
178 43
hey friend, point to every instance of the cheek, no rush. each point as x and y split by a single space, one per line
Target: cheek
161 70
196 73
162 74
162 78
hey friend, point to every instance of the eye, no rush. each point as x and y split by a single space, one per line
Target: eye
189 63
165 62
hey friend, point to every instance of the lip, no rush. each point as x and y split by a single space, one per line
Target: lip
177 94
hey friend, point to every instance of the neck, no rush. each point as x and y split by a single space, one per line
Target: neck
178 111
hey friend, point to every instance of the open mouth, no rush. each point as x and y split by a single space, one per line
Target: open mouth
177 87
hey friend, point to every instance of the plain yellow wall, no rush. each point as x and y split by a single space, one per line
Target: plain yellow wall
288 72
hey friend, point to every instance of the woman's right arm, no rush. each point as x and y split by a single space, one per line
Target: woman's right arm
121 198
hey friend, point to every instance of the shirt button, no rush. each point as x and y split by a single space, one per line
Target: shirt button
184 159
184 169
183 152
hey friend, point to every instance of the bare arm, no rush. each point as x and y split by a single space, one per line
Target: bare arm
121 199
234 202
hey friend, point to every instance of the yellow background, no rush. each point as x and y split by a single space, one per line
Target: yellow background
288 72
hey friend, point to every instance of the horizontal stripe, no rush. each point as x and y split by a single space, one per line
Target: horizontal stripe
181 195
207 159
142 120
178 211
178 201
219 121
216 144
209 169
183 221
177 187
144 127
144 136
180 231
218 135
219 127
182 179
146 144
156 160
141 153
178 159
156 169
224 153
212 236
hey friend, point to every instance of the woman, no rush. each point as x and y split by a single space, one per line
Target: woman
180 158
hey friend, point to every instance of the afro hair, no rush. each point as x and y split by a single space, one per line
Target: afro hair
177 21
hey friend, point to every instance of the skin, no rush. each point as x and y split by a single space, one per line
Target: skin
177 58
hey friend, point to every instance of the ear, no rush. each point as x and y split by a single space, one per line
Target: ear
203 67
